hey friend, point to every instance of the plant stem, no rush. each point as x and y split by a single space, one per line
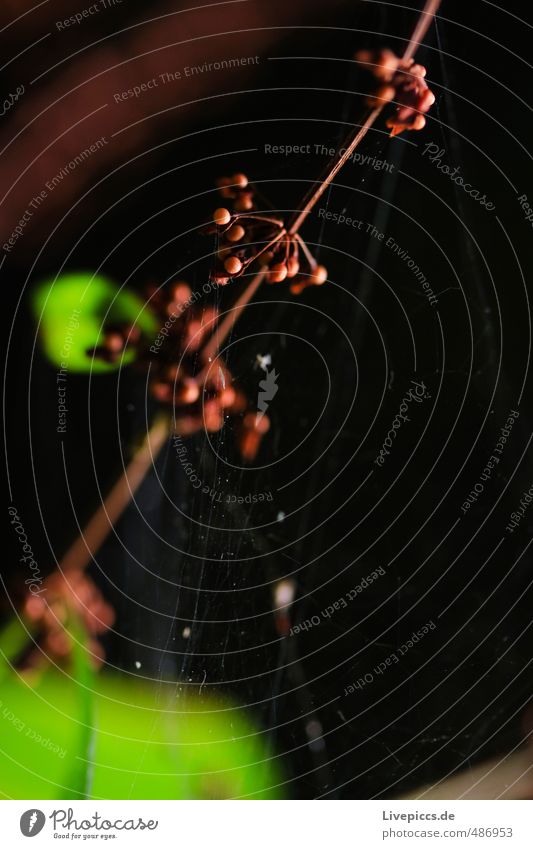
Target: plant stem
103 521
508 776
219 335
80 779
424 21
334 170
421 27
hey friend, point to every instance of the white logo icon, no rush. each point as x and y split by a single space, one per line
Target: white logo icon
32 822
267 387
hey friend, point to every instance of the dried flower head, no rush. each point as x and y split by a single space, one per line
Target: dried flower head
401 81
248 237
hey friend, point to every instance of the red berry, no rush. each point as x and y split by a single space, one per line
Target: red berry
318 276
277 272
244 203
221 216
235 233
240 180
293 267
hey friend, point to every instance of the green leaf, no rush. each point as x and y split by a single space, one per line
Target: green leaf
71 310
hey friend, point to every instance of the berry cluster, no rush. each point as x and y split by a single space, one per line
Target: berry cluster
66 597
247 237
401 81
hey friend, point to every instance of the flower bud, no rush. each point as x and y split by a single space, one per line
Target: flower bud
277 272
293 267
233 265
240 180
318 276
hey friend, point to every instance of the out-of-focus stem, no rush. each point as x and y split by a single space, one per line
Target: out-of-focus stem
506 777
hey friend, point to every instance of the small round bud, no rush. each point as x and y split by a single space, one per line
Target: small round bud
133 334
426 101
219 276
240 403
221 216
214 422
193 330
213 415
249 442
363 56
385 93
240 180
227 397
418 70
233 265
262 425
318 276
174 309
172 372
387 64
235 233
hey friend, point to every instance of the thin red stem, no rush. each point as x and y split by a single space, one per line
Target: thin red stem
424 22
308 255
